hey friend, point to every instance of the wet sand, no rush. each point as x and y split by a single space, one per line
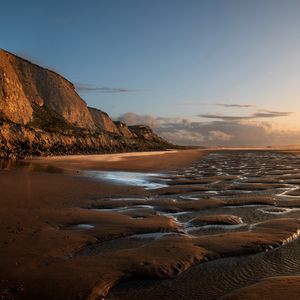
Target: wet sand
42 202
211 224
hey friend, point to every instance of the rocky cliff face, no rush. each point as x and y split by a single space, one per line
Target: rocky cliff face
14 104
24 84
124 130
41 114
18 141
145 132
102 120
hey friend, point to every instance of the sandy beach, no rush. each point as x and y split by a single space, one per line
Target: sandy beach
42 198
133 161
91 227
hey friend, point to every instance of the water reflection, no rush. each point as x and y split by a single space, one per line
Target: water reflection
13 164
149 181
8 164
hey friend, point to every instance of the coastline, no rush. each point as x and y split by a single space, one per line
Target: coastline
71 236
128 161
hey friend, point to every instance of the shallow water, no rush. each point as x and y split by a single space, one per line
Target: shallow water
256 186
13 164
81 227
250 185
145 180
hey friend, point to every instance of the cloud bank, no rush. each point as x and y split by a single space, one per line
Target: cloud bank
236 105
262 114
222 131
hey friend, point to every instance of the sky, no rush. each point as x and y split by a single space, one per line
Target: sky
215 72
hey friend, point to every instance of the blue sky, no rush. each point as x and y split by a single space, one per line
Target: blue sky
168 58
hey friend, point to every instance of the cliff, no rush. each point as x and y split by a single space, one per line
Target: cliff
145 132
124 130
103 121
23 84
41 114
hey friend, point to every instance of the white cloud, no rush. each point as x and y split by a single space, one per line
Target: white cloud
219 136
131 118
183 137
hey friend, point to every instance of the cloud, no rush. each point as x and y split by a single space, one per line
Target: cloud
219 136
258 115
224 118
219 133
227 132
131 118
217 104
235 105
88 88
271 114
183 137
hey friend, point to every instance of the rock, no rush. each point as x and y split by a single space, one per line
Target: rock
123 129
103 121
23 84
142 131
14 105
41 114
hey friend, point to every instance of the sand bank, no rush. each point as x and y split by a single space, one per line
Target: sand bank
134 161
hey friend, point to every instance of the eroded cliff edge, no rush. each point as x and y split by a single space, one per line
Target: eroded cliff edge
42 114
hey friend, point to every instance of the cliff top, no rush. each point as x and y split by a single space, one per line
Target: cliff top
5 52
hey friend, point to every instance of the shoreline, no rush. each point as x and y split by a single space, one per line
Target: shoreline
128 161
135 161
69 236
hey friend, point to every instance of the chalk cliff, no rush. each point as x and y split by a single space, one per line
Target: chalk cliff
42 114
103 121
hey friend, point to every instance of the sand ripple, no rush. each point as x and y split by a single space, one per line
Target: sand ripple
170 255
259 187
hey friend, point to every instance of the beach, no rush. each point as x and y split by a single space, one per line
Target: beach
39 199
211 224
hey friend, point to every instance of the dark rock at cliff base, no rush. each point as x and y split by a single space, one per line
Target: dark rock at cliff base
42 114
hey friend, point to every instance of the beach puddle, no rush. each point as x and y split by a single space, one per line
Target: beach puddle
152 235
80 227
213 228
148 181
275 210
227 204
